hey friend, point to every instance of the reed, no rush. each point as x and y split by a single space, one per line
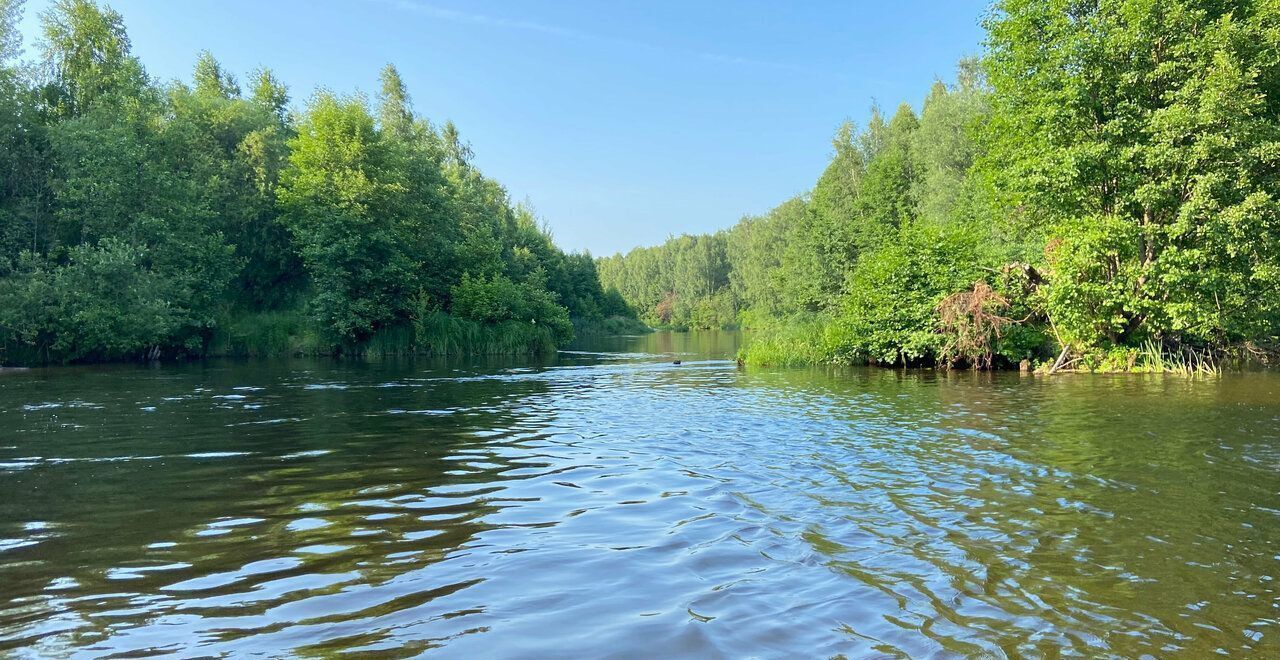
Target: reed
799 342
292 332
1186 361
611 326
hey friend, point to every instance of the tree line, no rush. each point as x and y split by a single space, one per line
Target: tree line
140 217
1099 190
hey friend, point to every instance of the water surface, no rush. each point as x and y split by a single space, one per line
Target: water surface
607 502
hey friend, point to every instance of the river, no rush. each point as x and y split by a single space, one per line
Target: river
608 502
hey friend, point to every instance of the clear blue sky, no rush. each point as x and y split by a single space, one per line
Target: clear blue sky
620 122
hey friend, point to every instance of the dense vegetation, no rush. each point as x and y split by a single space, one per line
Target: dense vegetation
146 218
1101 189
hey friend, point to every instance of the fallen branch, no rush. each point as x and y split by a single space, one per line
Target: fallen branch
1057 364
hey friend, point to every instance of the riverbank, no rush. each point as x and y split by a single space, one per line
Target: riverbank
438 334
817 342
291 333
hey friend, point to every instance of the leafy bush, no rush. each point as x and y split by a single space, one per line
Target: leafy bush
497 299
890 312
103 304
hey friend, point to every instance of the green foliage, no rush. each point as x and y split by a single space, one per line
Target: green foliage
437 333
137 218
334 195
103 304
1141 138
890 313
757 253
235 148
1103 184
611 326
1108 177
499 300
87 50
10 37
671 285
820 245
268 333
886 199
805 339
944 148
855 270
24 155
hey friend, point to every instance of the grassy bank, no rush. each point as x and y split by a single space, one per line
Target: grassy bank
804 342
437 334
612 326
819 342
295 333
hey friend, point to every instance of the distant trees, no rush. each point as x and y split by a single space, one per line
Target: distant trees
877 229
138 217
682 283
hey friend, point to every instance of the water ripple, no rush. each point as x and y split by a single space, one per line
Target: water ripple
612 503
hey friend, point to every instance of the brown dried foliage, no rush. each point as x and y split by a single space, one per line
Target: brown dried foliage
666 308
974 321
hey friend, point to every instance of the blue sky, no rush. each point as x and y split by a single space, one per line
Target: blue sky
620 122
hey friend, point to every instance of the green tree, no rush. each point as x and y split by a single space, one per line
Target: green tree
270 94
24 160
414 162
822 249
333 194
87 53
889 314
235 149
756 253
945 145
1140 137
10 36
211 80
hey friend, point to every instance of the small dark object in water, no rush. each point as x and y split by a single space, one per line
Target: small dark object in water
676 362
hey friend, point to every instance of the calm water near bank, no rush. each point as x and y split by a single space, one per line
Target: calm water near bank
608 502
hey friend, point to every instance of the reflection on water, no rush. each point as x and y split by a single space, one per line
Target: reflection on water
611 502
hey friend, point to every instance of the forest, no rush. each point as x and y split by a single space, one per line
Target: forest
1099 190
148 219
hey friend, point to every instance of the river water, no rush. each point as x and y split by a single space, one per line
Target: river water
607 502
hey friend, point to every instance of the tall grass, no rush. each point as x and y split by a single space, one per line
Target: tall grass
292 332
798 342
438 333
1189 361
261 334
612 326
1150 358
